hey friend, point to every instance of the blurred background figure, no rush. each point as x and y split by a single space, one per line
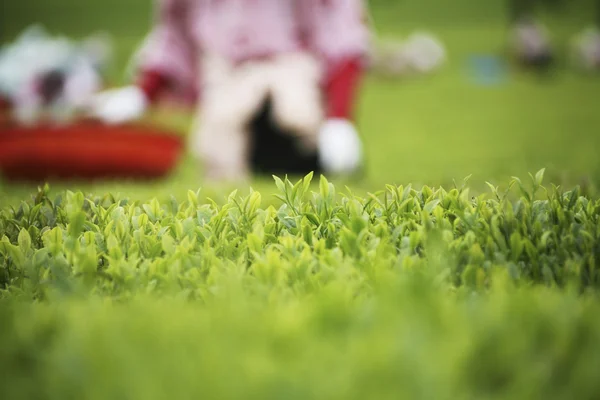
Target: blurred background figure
44 75
277 81
472 114
531 40
420 53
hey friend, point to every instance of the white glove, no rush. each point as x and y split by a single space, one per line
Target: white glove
117 106
340 148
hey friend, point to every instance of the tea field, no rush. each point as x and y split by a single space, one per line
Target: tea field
464 264
405 293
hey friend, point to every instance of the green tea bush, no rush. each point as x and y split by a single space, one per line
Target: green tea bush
116 248
410 342
430 293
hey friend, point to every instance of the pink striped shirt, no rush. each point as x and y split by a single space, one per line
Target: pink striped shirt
240 30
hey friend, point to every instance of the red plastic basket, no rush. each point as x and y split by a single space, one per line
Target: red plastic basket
86 150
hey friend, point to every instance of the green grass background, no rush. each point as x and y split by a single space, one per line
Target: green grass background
429 130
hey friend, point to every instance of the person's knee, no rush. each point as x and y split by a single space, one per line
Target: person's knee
297 99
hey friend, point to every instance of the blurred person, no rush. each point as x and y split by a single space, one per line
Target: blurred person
531 41
42 75
275 81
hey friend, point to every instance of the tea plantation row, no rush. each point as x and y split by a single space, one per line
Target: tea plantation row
428 293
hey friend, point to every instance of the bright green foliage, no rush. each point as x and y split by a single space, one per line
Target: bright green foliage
111 247
405 293
410 342
417 293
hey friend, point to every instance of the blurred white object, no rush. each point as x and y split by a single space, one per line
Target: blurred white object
293 82
530 38
531 43
424 52
120 105
420 53
27 62
81 83
27 105
340 148
586 50
389 58
98 48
